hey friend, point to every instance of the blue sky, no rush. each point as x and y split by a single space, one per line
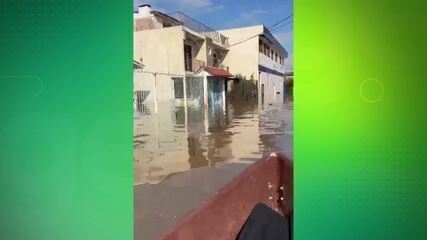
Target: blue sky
221 14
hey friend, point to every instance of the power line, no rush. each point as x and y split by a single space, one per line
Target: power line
282 20
283 25
234 44
271 29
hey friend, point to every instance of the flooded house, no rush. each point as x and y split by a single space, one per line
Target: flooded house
184 111
256 54
174 48
208 104
175 45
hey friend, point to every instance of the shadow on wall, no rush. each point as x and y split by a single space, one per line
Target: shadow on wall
241 88
289 87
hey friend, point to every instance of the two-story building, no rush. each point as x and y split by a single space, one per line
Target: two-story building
176 44
256 54
170 46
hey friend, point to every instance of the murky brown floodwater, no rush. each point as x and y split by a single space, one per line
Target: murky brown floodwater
177 165
242 132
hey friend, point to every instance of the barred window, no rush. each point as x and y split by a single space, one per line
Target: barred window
178 87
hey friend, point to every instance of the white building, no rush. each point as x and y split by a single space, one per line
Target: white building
256 54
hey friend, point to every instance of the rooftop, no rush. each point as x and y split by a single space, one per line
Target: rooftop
199 27
157 13
258 30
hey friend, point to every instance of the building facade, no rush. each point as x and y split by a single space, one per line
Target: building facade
176 44
256 54
172 120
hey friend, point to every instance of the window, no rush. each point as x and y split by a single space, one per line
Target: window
272 54
275 57
140 105
261 46
178 86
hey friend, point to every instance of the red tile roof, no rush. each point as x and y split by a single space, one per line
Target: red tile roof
218 72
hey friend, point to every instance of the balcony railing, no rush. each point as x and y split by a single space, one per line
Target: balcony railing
201 28
195 65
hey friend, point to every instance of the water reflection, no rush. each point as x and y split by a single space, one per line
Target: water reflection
179 138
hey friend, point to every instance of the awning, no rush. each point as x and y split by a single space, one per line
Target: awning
217 72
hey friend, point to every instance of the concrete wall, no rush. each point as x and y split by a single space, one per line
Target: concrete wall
202 54
243 57
209 58
161 50
160 87
145 23
272 85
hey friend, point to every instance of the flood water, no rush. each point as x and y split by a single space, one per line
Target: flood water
182 156
240 132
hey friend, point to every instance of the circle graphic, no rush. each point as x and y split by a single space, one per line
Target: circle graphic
371 90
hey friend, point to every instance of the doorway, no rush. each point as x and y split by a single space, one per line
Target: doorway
188 58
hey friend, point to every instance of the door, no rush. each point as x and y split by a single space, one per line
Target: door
188 58
262 93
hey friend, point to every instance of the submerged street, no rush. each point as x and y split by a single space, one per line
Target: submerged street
178 166
243 133
207 105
